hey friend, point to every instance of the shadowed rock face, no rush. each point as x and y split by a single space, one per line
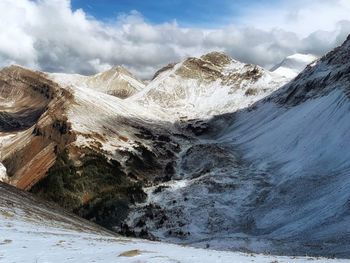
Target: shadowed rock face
24 96
20 120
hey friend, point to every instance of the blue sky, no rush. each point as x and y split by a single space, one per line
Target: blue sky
193 13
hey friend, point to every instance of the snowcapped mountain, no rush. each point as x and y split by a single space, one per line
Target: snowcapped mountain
117 81
272 177
210 85
292 65
211 153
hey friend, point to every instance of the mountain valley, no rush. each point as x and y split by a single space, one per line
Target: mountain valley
211 153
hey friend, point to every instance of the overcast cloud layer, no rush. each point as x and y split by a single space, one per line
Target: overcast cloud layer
49 36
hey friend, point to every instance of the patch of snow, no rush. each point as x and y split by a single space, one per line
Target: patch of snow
3 173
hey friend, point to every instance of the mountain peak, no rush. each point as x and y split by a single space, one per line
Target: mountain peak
119 69
114 72
217 58
293 64
117 81
16 68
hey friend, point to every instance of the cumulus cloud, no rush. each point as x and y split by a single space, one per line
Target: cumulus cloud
50 36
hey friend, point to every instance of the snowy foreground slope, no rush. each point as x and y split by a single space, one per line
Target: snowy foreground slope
31 231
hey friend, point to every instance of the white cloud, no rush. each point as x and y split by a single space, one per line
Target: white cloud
48 35
300 16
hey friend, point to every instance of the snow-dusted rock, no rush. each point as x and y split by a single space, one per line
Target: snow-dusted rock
207 86
117 82
3 173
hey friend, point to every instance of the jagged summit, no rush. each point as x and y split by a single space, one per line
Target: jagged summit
339 56
13 67
217 58
210 61
163 69
209 85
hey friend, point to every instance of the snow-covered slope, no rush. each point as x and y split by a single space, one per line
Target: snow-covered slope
117 82
32 231
274 177
210 85
292 65
97 113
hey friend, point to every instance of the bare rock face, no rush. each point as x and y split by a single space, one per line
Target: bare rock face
23 98
218 59
32 116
